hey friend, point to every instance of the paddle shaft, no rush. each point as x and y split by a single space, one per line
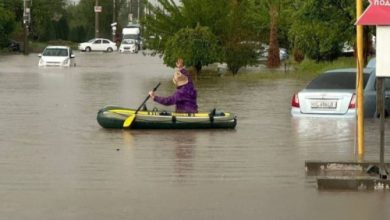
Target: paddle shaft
155 88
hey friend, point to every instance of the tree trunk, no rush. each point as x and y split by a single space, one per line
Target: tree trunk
273 50
198 68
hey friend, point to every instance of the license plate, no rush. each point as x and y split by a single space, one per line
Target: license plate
324 104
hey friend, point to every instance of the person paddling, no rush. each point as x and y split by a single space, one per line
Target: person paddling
185 96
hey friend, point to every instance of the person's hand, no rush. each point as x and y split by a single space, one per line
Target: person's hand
151 94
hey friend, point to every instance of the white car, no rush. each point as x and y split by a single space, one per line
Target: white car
128 45
263 53
57 56
333 94
98 44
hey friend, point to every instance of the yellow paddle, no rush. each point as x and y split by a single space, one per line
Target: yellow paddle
127 123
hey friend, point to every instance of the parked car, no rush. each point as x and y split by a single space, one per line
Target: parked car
263 53
333 94
128 45
57 56
98 44
371 63
14 46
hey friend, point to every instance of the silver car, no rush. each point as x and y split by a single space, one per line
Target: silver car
333 94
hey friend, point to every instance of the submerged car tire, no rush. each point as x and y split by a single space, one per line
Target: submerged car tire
109 49
88 49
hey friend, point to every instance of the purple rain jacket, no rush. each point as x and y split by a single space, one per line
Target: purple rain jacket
184 97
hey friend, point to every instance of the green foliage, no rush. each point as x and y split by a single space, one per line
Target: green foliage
7 25
48 19
82 19
198 47
238 34
232 22
321 27
161 23
238 55
284 9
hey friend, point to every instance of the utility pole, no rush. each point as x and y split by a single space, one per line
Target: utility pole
114 24
96 19
26 23
359 83
113 11
138 13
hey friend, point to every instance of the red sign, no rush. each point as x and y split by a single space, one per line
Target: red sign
378 13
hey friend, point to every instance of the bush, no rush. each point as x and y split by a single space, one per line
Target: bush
298 55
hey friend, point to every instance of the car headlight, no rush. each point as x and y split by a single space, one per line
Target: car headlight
65 62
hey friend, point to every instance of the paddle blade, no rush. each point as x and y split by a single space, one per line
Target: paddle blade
129 121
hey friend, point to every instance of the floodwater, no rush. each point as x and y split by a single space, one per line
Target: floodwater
56 162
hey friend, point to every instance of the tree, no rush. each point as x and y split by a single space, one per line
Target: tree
48 19
321 27
7 25
198 47
82 18
238 35
273 51
232 22
276 21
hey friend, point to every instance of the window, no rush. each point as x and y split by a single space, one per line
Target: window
336 80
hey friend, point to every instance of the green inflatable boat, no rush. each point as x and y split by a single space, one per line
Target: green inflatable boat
115 117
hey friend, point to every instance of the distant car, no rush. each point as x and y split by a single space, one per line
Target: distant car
263 53
98 44
333 94
347 49
14 46
57 56
128 45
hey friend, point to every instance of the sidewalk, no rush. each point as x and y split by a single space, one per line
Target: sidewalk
344 175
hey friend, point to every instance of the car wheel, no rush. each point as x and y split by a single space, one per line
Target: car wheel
88 49
109 49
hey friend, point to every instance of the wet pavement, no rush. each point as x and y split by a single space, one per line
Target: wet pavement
56 162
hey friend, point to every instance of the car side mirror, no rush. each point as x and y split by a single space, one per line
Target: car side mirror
72 56
40 55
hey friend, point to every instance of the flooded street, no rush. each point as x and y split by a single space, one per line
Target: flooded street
56 162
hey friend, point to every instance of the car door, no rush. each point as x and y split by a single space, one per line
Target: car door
106 44
97 45
370 93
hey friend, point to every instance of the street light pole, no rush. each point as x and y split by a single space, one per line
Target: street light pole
138 13
96 20
26 22
113 20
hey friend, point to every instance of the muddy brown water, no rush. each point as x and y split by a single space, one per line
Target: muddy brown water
56 162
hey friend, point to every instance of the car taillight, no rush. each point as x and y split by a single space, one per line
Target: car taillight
352 103
295 101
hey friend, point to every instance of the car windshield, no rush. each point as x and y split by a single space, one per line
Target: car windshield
59 52
336 80
91 41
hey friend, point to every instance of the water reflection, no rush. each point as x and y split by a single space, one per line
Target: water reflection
335 138
184 153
